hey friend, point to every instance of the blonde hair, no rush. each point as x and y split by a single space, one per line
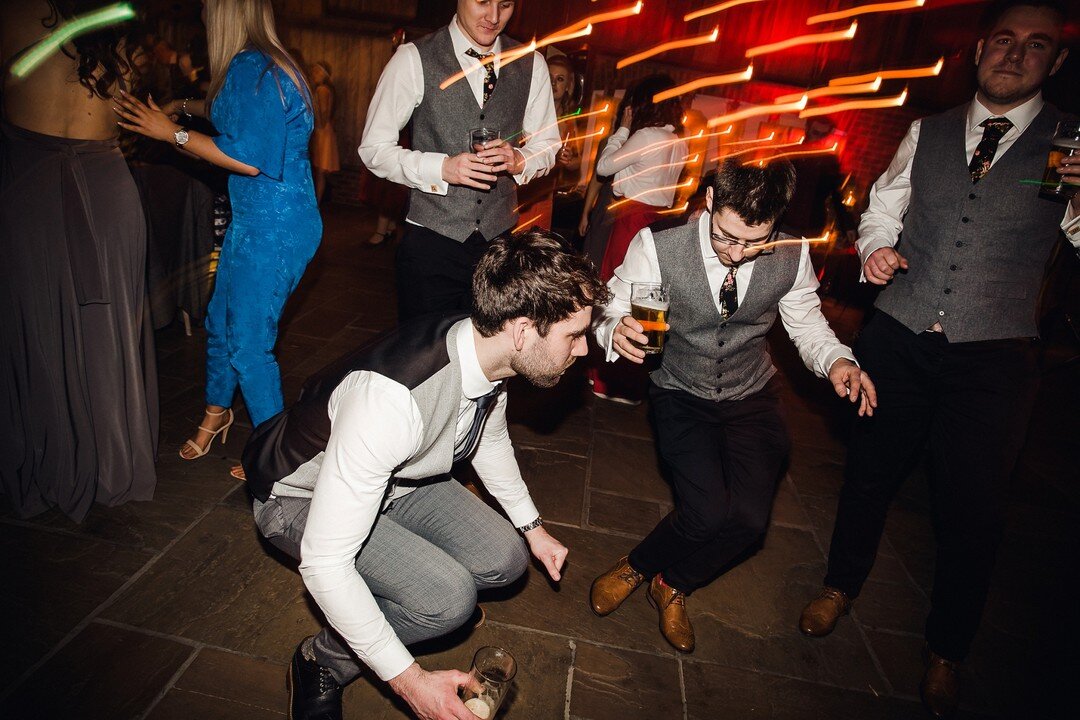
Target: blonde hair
232 26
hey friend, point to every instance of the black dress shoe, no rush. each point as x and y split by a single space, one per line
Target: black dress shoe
313 692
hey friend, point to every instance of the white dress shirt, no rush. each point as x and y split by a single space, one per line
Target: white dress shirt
800 308
375 426
651 158
400 91
883 220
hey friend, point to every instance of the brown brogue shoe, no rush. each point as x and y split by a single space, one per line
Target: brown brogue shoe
610 589
940 687
674 622
820 617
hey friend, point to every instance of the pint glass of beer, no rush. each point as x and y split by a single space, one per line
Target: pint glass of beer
492 670
649 306
1065 144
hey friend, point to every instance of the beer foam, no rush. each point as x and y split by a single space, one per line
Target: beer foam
478 707
651 305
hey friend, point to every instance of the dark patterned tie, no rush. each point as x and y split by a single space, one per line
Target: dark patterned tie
993 130
489 79
729 294
483 403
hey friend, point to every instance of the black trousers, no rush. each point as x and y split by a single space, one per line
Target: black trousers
966 407
434 272
724 460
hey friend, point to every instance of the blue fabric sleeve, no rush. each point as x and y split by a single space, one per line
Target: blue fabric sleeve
249 114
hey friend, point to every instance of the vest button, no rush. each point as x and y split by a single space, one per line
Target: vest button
719 375
948 290
972 196
959 243
479 202
965 220
953 268
723 325
721 343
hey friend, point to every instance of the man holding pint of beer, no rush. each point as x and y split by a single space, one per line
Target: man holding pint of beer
721 280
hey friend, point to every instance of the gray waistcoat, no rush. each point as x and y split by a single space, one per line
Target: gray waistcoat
977 252
441 123
702 355
284 453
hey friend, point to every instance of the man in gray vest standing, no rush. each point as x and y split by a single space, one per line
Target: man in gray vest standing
354 479
719 434
951 343
459 199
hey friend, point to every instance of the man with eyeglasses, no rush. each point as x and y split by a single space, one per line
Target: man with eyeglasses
714 402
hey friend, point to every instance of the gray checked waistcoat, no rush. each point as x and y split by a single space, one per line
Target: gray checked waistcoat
421 355
977 252
441 123
707 357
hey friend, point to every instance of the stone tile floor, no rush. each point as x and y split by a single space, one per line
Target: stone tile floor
175 609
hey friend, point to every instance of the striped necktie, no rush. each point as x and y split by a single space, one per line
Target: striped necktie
993 130
489 79
483 403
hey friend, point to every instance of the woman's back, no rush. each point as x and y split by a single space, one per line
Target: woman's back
50 100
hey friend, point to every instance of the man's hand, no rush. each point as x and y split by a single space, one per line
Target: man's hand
547 550
626 333
883 264
848 380
1069 169
469 170
499 156
433 695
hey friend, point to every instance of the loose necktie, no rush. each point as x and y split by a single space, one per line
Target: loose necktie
993 130
489 79
483 403
729 295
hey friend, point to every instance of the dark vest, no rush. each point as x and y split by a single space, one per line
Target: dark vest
707 357
416 354
977 252
441 123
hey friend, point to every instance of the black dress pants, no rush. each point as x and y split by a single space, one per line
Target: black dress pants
965 406
724 460
434 272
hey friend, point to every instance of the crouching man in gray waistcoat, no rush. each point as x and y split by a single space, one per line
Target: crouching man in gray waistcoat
354 479
714 404
951 344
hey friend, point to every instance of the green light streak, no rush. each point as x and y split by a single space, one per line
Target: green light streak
76 26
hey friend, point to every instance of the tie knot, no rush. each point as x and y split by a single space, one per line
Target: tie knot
996 126
478 55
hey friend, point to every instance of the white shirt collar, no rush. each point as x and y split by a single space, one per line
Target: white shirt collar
462 42
1020 116
473 381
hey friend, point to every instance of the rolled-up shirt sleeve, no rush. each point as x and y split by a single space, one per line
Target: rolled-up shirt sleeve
881 224
249 114
375 427
498 469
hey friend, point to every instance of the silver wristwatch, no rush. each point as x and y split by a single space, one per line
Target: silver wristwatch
181 137
534 524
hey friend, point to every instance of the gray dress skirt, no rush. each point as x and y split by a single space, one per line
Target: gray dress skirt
78 382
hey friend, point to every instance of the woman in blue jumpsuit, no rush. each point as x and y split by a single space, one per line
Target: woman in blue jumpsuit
263 114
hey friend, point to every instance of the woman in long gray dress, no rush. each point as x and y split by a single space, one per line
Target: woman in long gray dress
78 387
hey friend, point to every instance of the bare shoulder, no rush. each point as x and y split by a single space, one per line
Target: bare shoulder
22 23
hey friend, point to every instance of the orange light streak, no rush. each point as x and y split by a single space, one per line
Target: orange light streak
776 108
700 135
670 45
685 161
685 184
767 138
928 71
706 82
804 40
607 16
675 211
516 53
777 146
888 102
568 138
528 223
571 116
793 241
794 153
828 90
864 10
721 7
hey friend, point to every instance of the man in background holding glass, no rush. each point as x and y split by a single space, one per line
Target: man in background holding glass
460 198
715 406
952 343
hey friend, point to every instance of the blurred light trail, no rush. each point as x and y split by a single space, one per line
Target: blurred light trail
685 161
663 188
874 104
775 108
721 7
728 79
928 71
761 162
65 32
670 45
830 90
864 10
804 40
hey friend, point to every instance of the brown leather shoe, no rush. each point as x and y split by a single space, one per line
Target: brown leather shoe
610 589
940 687
674 622
819 617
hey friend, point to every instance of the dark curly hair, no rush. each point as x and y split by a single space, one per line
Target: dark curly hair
104 56
650 114
534 274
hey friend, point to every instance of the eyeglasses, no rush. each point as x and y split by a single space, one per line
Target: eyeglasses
766 242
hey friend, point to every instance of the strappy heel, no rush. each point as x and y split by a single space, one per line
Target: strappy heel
223 431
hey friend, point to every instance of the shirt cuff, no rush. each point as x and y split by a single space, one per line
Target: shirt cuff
523 513
833 356
391 661
1071 226
868 249
431 173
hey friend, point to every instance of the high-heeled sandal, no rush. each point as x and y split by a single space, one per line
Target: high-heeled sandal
223 431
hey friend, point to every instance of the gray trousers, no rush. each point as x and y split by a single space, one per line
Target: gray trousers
424 560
